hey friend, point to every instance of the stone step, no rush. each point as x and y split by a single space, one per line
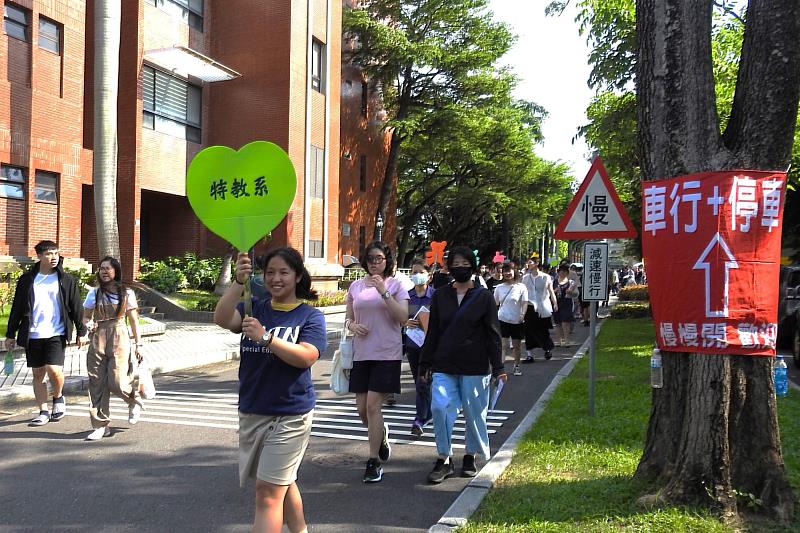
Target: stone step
146 309
154 316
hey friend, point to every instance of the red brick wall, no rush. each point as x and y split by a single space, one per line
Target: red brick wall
362 137
42 128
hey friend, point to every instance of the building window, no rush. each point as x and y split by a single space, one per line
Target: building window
345 229
317 185
364 98
362 174
362 239
315 249
189 11
317 65
15 22
49 35
12 182
46 189
171 105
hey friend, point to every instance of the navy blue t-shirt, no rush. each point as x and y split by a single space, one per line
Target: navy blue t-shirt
267 384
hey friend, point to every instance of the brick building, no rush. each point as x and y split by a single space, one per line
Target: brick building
193 73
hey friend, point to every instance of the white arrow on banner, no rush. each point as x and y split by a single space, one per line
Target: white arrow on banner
703 264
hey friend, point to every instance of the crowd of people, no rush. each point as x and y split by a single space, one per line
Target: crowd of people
456 326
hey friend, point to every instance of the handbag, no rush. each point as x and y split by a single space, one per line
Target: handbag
147 389
346 350
340 378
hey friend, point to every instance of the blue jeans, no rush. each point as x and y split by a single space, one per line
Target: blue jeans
449 392
423 399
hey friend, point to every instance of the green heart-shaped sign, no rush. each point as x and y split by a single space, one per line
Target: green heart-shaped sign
241 196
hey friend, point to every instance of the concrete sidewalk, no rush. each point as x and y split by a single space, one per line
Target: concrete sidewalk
183 345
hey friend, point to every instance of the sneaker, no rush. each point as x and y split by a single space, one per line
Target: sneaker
99 433
390 399
374 471
416 429
585 322
528 359
468 466
441 471
385 450
517 371
133 413
42 419
59 409
548 354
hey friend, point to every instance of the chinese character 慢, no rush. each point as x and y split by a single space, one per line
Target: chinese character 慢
239 188
688 334
714 335
597 207
743 201
771 203
261 187
668 334
218 189
654 208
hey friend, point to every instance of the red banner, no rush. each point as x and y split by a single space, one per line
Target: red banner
712 244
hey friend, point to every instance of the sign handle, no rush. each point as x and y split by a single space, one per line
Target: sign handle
592 329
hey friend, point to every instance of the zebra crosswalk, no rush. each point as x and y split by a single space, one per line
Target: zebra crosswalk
333 418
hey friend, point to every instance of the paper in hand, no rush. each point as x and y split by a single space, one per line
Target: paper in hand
416 335
496 396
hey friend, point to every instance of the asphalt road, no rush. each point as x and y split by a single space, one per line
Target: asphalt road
176 470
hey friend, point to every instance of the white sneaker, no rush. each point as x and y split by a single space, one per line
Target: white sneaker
517 370
42 419
99 433
134 413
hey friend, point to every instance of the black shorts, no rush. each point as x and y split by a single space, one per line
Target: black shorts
514 331
41 352
375 376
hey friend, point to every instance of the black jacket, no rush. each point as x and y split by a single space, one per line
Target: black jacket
70 302
472 345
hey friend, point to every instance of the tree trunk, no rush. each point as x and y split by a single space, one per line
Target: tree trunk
388 180
107 18
713 429
224 278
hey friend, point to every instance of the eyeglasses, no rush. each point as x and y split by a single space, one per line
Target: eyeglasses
375 259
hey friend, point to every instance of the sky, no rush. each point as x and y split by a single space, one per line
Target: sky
551 60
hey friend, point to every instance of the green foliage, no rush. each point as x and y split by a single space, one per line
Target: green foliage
200 273
195 300
8 284
329 298
631 310
85 279
161 276
634 293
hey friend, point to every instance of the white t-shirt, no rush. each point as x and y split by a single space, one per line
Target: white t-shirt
91 299
46 319
511 299
538 293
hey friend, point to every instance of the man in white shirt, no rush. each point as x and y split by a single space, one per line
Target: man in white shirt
47 304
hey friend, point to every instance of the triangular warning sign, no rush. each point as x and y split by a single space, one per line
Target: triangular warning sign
595 211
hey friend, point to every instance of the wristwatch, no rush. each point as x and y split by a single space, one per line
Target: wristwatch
266 339
386 295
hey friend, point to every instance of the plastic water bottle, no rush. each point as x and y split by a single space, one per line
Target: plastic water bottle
780 377
656 370
8 363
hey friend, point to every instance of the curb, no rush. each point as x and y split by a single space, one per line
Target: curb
473 494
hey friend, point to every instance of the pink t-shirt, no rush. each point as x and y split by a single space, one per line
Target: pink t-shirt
385 340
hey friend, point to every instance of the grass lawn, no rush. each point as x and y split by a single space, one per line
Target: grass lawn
573 473
195 299
4 319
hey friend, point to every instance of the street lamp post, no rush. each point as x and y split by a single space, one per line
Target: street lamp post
379 226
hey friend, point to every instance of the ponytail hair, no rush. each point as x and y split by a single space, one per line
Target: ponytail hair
292 258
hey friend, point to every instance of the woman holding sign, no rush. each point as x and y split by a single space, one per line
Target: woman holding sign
462 353
377 308
419 304
280 343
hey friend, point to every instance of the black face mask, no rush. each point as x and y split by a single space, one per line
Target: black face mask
461 274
